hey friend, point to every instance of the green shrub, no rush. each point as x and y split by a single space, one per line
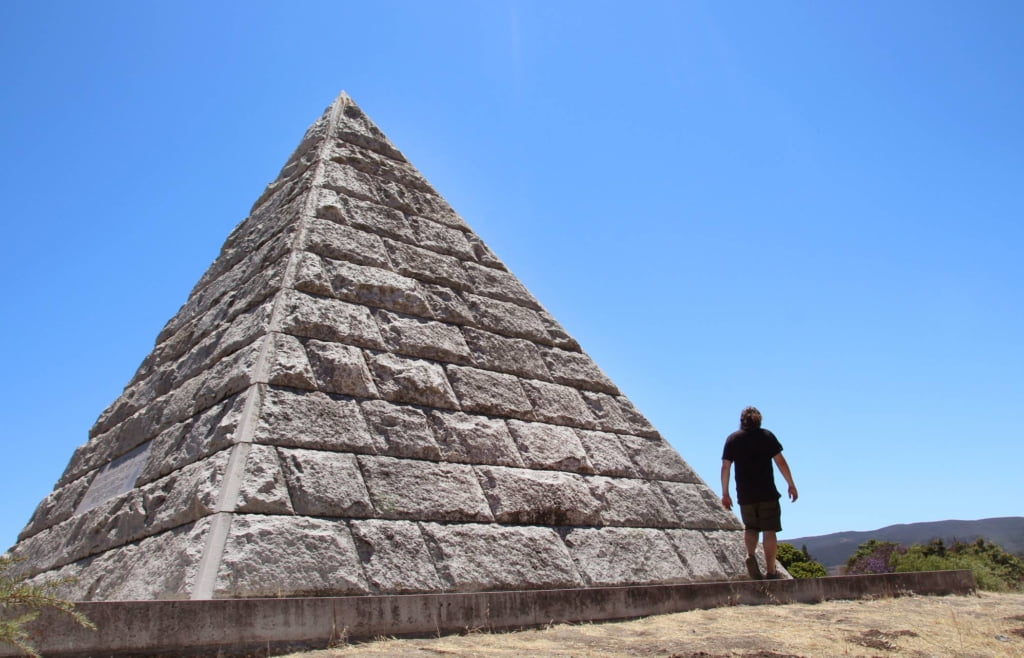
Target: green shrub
798 563
21 602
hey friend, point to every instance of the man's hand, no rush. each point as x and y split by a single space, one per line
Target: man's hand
727 501
793 495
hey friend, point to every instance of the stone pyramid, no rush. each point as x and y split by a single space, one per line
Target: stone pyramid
358 397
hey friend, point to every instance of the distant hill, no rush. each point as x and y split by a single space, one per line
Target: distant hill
833 550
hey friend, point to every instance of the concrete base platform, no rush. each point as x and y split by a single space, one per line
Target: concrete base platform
266 627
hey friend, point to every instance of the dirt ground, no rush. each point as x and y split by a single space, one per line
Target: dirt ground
979 625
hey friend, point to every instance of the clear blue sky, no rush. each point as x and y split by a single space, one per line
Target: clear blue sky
812 207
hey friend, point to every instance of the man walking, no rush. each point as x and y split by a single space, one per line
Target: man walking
753 449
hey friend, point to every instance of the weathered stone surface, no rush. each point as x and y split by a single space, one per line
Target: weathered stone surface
518 495
441 238
634 419
489 392
606 412
288 556
263 489
362 214
415 381
499 284
328 319
728 548
427 265
340 369
698 507
301 419
606 453
422 490
558 404
57 507
656 460
325 483
625 556
412 336
696 555
576 369
474 557
341 242
288 364
447 305
395 557
376 287
182 497
474 439
404 430
628 502
511 355
558 335
506 318
210 432
311 275
552 447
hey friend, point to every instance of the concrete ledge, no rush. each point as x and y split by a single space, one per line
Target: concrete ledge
262 627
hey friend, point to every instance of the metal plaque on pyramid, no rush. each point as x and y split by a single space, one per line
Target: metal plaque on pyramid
358 397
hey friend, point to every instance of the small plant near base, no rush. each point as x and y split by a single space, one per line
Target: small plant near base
21 602
799 563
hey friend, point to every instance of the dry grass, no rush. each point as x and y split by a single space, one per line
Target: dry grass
983 625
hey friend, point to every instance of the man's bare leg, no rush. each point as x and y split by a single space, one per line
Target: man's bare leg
771 548
750 539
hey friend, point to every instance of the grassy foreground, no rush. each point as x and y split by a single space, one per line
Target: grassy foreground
986 624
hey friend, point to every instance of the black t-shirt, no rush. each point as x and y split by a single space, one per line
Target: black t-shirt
752 452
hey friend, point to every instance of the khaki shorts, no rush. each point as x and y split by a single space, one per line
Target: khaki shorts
762 516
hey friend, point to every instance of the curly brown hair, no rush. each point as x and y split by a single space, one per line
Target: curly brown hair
750 419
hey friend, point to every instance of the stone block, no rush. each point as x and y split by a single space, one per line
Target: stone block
506 318
429 266
328 319
489 392
376 287
606 412
311 276
558 336
512 355
606 453
552 447
263 489
612 557
340 242
499 284
474 439
482 253
423 491
441 238
415 381
696 555
656 460
412 336
184 443
325 483
300 419
403 430
728 547
57 507
518 495
288 556
576 369
447 305
628 502
362 214
395 557
697 507
340 369
561 405
474 557
288 364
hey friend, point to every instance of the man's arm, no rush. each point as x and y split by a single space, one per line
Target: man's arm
726 500
780 461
